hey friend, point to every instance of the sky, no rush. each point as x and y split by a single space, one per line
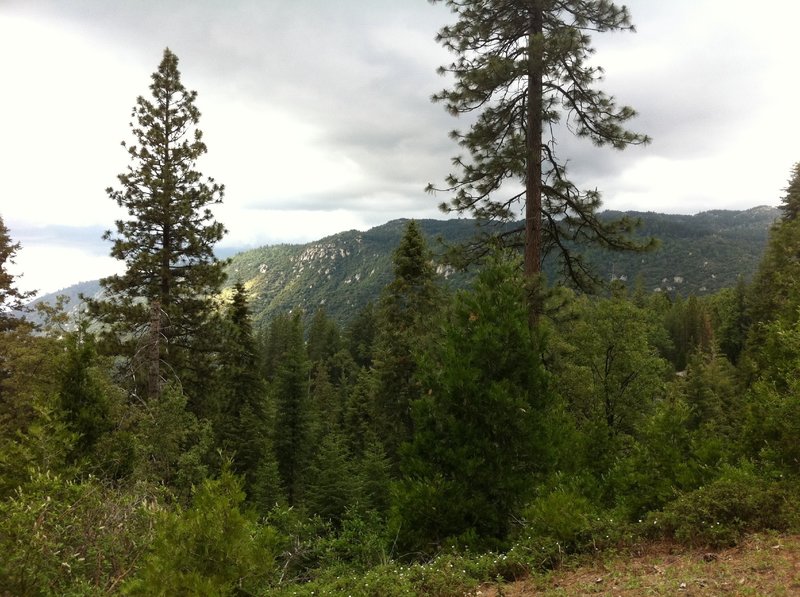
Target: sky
318 119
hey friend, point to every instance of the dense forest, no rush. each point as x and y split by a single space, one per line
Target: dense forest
163 444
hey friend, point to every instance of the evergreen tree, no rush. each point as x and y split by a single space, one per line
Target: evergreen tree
405 314
332 483
523 66
360 336
11 298
161 306
290 391
775 293
245 422
732 320
688 323
476 442
374 476
324 338
85 407
360 417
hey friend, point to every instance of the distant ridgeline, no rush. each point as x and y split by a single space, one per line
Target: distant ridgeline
698 254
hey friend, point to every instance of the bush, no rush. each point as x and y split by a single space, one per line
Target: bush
59 537
360 544
210 549
564 522
737 502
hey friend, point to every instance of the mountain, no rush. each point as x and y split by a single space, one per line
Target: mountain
698 254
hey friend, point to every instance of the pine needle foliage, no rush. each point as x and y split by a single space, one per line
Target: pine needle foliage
523 69
167 243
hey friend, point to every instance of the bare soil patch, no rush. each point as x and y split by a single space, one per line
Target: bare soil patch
766 564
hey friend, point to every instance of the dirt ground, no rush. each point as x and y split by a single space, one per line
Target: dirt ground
761 565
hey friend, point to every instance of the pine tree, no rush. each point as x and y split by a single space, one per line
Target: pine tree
477 439
11 298
290 391
162 304
523 66
332 482
245 421
775 293
405 313
84 406
324 338
360 336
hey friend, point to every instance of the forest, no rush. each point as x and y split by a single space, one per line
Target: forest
160 443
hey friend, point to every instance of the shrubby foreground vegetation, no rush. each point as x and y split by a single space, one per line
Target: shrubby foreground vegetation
439 440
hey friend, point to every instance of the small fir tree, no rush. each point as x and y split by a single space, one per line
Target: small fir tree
405 314
11 298
476 441
290 392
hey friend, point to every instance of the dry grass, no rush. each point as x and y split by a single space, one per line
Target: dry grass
767 564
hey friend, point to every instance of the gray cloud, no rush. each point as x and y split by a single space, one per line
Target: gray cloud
359 74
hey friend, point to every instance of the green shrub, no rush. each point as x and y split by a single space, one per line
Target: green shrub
59 537
564 522
212 548
361 543
739 501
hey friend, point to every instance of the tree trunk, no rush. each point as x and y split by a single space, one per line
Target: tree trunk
533 172
154 351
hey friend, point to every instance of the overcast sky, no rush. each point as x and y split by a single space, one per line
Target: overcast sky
317 115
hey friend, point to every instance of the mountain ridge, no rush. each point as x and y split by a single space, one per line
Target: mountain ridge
342 272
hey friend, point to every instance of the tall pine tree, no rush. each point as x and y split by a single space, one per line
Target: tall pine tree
776 292
523 67
160 307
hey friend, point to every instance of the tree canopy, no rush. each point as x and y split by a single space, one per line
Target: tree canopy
163 299
524 68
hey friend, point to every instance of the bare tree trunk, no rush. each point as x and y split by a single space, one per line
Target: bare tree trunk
154 351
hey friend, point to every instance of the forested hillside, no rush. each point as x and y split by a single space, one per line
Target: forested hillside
698 254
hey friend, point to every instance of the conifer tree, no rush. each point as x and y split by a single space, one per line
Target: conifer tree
523 67
360 336
245 422
776 293
405 311
161 305
84 406
290 388
324 338
477 439
11 298
332 482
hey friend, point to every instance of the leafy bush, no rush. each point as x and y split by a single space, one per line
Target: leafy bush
563 522
210 549
659 465
361 543
718 514
59 537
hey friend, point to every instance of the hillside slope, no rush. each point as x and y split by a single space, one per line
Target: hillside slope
698 254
